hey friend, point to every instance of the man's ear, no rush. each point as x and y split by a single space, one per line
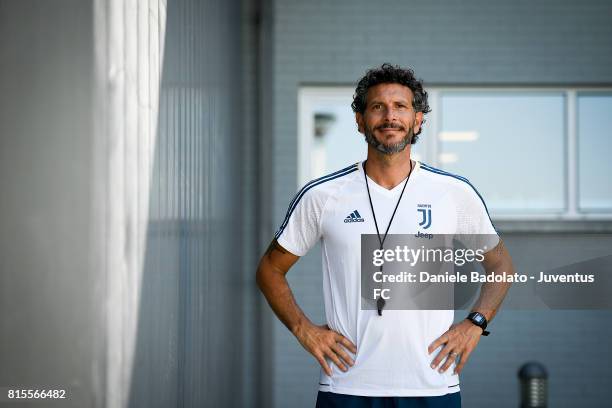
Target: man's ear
360 122
418 121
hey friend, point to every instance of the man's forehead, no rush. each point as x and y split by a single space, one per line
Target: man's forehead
389 91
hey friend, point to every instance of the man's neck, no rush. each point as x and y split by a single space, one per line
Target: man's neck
388 170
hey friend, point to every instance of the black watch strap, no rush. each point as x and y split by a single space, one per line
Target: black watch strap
479 320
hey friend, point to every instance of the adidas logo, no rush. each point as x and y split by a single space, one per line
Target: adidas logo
354 217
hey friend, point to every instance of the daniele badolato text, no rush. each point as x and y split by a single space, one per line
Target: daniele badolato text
477 277
458 257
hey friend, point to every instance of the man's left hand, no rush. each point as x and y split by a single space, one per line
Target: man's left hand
459 340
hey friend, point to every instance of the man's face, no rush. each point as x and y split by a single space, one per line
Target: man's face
389 120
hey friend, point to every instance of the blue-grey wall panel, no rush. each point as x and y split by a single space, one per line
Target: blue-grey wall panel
191 337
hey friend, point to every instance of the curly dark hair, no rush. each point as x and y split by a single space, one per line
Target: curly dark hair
391 74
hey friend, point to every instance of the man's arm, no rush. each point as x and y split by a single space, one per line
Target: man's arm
319 341
492 294
461 339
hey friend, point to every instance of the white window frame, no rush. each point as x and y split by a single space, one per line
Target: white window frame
310 96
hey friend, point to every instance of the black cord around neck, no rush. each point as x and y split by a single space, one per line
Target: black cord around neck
382 241
380 302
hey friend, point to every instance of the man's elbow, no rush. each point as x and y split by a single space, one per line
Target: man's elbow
260 275
264 273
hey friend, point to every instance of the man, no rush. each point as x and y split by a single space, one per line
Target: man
371 358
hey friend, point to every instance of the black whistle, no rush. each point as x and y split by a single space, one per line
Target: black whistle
380 304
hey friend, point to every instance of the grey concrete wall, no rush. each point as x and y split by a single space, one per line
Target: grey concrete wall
51 331
257 197
446 42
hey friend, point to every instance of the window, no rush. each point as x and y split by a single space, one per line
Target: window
510 145
594 150
532 153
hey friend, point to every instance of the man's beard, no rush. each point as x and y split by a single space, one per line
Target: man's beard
387 148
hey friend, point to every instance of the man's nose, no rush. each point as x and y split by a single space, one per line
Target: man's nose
390 114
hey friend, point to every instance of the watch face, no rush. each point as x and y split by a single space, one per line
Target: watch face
478 318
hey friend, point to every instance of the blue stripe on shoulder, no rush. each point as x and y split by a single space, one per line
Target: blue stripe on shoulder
445 173
308 186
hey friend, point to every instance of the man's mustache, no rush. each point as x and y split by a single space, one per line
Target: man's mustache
390 126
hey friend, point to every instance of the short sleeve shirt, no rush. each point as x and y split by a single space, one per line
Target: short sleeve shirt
392 357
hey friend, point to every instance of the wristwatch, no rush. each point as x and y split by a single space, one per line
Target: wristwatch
479 320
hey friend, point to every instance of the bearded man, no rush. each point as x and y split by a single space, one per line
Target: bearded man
371 358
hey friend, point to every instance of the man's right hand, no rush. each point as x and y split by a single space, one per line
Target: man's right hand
319 341
322 342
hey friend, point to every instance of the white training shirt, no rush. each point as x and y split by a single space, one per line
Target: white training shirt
392 357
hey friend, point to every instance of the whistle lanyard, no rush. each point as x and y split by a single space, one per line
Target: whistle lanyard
380 302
